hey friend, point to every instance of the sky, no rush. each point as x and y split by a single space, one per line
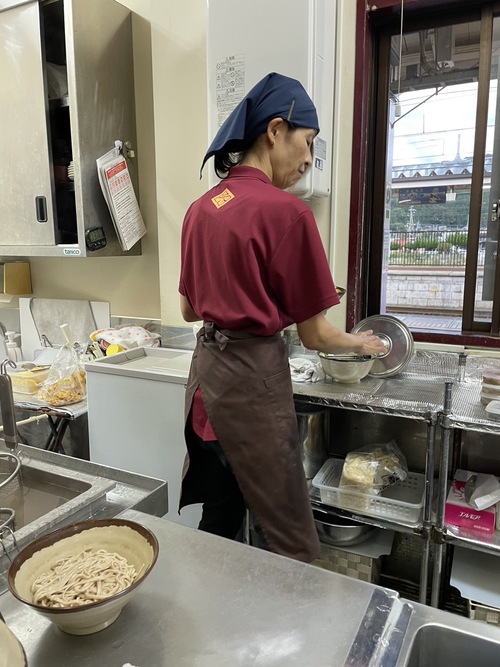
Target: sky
442 126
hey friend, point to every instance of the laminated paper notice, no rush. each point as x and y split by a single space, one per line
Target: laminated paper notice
119 194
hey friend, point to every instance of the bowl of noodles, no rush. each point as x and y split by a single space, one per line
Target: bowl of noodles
80 577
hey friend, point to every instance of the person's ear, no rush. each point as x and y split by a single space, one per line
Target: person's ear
274 127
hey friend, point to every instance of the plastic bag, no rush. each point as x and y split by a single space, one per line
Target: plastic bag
66 381
372 469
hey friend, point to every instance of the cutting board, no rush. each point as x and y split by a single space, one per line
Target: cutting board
44 317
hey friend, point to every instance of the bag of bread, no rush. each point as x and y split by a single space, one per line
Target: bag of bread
372 469
66 381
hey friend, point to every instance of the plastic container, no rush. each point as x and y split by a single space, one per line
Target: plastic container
28 382
486 398
493 410
491 390
402 501
481 612
491 376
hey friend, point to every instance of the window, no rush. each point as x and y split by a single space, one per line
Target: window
425 231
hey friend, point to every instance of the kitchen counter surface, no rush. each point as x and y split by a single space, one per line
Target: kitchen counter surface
418 392
211 602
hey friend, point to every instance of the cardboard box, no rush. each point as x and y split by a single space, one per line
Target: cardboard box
469 521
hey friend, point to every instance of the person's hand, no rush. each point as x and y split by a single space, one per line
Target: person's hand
371 344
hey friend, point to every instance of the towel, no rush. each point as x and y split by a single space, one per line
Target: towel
126 337
306 370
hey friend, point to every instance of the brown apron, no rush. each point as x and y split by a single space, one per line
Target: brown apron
247 391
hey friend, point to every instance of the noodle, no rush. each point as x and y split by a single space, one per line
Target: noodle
89 576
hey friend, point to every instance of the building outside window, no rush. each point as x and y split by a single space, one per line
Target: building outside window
425 237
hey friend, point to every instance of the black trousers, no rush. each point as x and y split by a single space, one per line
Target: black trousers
224 506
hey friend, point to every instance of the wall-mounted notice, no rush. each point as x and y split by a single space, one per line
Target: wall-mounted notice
119 194
230 85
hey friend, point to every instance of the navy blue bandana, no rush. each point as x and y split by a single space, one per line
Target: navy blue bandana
275 96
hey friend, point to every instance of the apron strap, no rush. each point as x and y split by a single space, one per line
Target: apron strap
210 332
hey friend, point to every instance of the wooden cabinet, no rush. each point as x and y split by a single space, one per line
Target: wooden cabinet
66 68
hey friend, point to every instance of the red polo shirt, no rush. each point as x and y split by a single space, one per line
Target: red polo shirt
252 259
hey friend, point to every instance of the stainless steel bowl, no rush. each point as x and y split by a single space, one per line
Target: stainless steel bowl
339 532
345 368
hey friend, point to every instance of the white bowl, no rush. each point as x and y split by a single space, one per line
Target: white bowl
11 651
134 542
346 368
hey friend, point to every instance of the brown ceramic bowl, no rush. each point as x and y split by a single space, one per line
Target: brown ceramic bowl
134 542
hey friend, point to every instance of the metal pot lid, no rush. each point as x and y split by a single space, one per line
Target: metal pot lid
396 337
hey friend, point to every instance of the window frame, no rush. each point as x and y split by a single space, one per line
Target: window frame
370 135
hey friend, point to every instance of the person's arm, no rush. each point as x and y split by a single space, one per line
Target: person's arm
317 333
187 312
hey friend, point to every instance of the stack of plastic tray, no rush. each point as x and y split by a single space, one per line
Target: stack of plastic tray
481 612
353 565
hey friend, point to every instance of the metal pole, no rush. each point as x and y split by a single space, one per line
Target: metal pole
427 518
439 532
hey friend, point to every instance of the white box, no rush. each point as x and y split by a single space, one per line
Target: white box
136 417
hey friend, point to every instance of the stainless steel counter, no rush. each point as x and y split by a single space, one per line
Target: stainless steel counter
211 602
101 492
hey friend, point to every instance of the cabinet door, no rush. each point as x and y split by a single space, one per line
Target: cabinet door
26 215
102 107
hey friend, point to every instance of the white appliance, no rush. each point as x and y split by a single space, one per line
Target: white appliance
136 417
43 317
247 40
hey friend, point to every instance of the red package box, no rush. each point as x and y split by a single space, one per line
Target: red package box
469 520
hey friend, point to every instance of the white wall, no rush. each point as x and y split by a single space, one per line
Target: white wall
342 151
170 79
179 75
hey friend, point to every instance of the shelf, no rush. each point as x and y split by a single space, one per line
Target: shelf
467 411
383 399
420 393
490 547
417 393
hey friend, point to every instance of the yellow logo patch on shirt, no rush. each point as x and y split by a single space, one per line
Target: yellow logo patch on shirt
223 198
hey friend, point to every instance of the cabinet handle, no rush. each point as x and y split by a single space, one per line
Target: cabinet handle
41 209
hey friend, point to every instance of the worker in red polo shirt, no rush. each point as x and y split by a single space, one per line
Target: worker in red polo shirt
253 263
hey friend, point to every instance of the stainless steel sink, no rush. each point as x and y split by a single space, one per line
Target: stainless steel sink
436 645
56 490
44 495
41 491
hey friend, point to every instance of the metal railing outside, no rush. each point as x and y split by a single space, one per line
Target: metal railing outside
445 247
